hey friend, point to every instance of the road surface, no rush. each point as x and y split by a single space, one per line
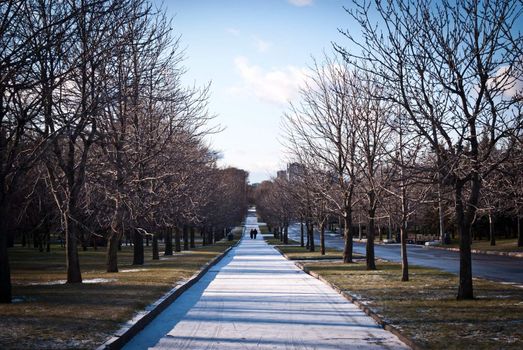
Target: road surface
255 299
492 267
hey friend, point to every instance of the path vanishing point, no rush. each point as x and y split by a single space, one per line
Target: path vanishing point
256 299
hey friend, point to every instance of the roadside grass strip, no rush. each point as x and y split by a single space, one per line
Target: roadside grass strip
48 314
425 309
293 251
502 245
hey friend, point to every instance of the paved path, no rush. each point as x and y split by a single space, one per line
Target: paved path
256 299
492 267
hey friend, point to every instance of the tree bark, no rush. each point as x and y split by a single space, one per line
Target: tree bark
307 236
185 237
404 258
465 288
286 234
347 234
491 230
177 240
156 255
369 247
203 234
441 213
191 238
302 243
5 271
112 253
138 250
168 238
310 234
322 238
73 261
520 236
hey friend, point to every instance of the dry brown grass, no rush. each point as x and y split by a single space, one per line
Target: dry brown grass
502 245
64 316
426 310
293 251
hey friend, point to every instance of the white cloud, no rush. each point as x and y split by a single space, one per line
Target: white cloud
262 45
233 31
274 85
301 2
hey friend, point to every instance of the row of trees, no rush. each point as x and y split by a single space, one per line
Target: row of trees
424 107
98 136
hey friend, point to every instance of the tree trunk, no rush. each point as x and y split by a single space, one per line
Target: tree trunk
371 263
347 233
286 234
48 240
491 230
520 236
191 238
177 240
73 261
168 239
41 242
138 251
185 237
465 289
112 253
310 233
203 234
308 237
5 271
404 259
322 238
156 255
302 243
441 214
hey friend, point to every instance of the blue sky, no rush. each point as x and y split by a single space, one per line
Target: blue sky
256 54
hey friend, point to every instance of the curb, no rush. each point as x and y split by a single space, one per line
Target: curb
384 324
144 317
485 252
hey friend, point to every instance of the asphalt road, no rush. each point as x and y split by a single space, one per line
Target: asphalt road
492 267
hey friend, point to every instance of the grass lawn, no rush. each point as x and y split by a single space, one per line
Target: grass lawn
293 251
47 315
426 310
264 229
502 245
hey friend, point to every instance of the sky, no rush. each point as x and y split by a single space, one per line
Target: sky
256 54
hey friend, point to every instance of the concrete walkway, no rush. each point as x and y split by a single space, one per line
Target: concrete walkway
256 299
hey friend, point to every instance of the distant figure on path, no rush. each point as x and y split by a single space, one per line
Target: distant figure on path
255 233
252 233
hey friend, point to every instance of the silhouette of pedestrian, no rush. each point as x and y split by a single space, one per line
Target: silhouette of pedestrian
255 233
252 233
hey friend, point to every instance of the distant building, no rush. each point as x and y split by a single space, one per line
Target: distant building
281 174
295 171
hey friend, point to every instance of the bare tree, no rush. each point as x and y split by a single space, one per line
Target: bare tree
320 129
453 67
21 145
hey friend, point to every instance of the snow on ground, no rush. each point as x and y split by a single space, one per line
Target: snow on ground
92 280
133 270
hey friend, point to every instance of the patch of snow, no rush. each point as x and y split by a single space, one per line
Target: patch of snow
48 283
100 280
133 270
88 281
